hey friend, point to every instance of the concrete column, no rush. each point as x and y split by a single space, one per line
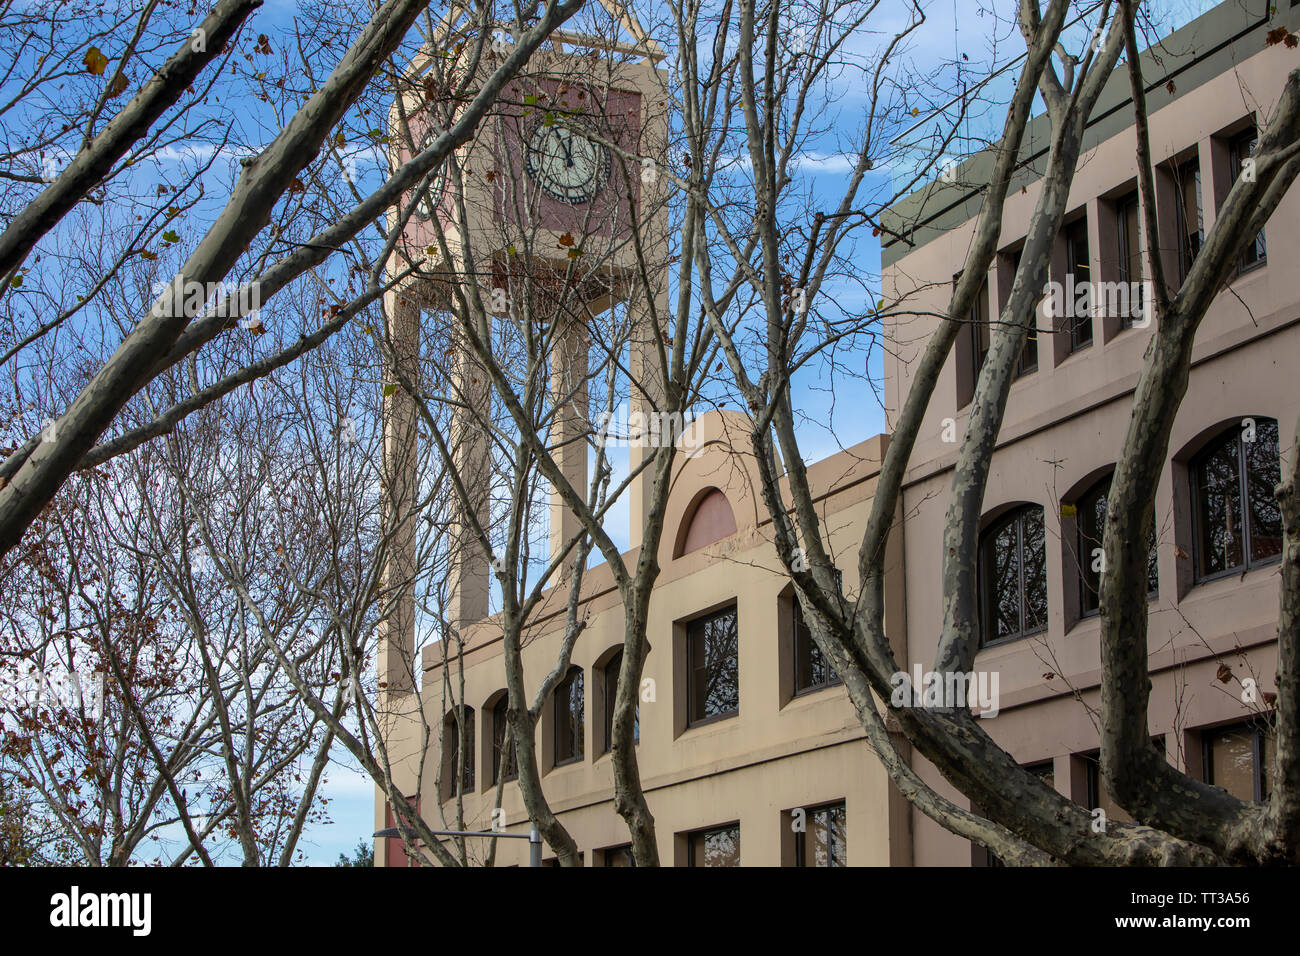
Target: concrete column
647 397
468 437
396 631
571 425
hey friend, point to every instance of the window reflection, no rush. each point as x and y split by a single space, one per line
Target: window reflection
1091 521
1013 576
569 719
812 670
717 847
713 676
824 842
1242 467
500 735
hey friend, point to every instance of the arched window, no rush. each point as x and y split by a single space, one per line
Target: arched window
707 520
1013 576
1238 521
1091 521
503 743
610 692
570 705
451 753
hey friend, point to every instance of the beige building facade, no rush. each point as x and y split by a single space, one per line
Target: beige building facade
760 761
727 762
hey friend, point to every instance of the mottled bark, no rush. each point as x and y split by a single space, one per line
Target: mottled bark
1282 822
1142 781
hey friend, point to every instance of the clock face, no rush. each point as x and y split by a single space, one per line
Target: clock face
431 197
567 166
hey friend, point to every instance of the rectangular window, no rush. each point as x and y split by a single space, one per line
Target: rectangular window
569 704
812 671
979 325
713 669
1127 214
1028 361
611 695
1240 149
1098 797
717 847
1238 759
824 840
1078 276
618 856
1191 222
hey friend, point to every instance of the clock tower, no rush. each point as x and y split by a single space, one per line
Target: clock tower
555 213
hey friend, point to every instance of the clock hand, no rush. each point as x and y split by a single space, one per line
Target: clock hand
568 150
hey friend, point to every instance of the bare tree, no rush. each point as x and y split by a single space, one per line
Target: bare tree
1181 820
177 324
133 706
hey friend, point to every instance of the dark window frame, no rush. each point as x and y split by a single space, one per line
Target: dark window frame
1092 772
1230 436
694 631
562 701
608 854
609 682
987 859
1013 516
1083 548
1123 204
695 839
801 838
815 652
1078 324
1260 771
500 734
1024 365
981 331
1185 173
451 738
1240 147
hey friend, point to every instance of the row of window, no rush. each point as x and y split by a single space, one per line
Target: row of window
1236 526
1121 258
1236 757
712 693
817 836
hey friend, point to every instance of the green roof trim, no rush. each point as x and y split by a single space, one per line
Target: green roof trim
1227 34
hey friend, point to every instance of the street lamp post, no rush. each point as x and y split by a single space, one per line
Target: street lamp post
532 836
